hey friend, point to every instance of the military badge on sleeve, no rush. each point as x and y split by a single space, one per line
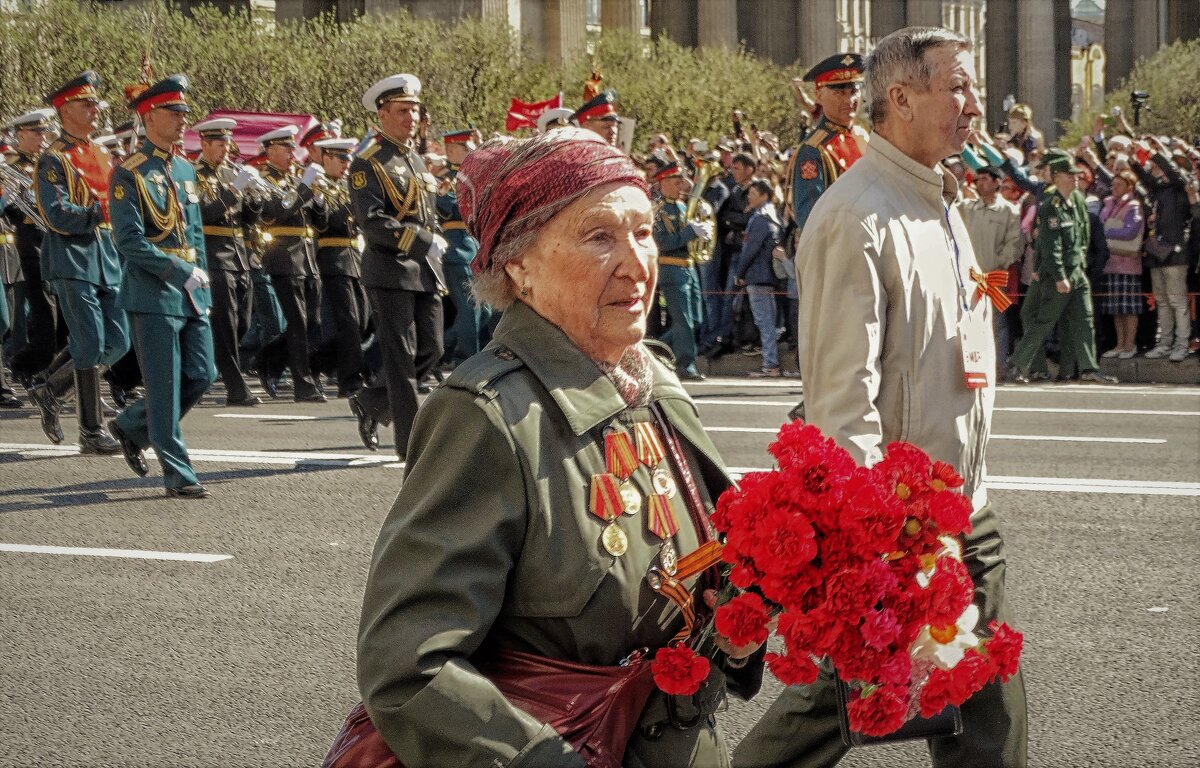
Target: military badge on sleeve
118 192
358 179
52 176
808 169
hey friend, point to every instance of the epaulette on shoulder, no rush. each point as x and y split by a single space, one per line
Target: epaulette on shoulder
133 161
371 149
480 372
817 137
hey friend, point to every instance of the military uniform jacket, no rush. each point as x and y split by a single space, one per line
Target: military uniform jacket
10 259
292 219
672 235
824 155
337 240
491 544
226 215
157 228
463 247
1060 250
393 197
78 244
29 237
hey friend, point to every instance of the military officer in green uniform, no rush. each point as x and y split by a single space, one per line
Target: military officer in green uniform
339 260
80 262
677 278
831 147
160 234
1060 293
468 334
394 201
226 210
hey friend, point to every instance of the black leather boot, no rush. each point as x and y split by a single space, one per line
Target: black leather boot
49 397
93 437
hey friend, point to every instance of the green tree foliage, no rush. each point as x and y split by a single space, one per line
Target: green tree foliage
470 68
1171 78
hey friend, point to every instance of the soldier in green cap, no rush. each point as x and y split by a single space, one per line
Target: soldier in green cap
1060 293
159 233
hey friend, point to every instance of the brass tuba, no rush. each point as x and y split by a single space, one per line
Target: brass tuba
699 209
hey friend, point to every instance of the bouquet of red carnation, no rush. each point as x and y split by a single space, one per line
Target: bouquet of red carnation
862 567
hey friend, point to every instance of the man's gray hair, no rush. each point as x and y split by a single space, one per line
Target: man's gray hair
900 58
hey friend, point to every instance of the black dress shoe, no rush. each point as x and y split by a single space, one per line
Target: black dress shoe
691 376
193 491
249 401
9 400
268 385
311 397
368 428
135 457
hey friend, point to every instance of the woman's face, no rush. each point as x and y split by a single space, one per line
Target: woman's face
592 270
1120 187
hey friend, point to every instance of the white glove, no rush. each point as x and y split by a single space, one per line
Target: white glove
198 279
244 178
311 174
438 246
701 229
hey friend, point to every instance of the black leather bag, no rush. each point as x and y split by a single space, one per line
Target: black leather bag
948 722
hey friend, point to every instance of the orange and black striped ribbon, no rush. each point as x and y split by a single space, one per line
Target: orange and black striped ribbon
992 285
604 497
619 457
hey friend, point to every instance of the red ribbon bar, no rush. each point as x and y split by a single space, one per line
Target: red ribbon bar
660 519
619 457
992 284
604 497
650 450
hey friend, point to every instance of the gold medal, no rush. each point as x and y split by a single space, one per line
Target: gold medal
668 557
663 483
631 498
613 540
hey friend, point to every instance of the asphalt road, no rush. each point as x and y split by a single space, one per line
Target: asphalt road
248 660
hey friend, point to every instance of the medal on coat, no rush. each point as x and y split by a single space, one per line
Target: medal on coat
604 501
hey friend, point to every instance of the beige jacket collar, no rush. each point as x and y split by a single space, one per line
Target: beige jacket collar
934 183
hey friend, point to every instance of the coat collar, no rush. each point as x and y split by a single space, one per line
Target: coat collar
934 183
586 396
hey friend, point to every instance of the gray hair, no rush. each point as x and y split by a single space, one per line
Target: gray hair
900 58
493 286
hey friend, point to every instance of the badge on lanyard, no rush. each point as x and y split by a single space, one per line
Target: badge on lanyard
974 335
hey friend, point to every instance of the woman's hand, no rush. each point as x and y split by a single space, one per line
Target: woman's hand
735 652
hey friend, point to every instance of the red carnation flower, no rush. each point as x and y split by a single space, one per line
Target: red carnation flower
878 713
943 476
880 628
950 512
792 669
1004 649
950 592
678 671
743 620
783 542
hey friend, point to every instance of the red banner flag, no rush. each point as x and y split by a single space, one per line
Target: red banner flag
524 115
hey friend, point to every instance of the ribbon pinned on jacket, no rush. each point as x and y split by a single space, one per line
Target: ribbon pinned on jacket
992 285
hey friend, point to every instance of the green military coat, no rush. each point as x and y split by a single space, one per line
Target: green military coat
1060 250
157 227
490 543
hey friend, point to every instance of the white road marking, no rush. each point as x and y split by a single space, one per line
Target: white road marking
136 554
1063 484
1175 390
1012 409
1038 438
267 416
283 458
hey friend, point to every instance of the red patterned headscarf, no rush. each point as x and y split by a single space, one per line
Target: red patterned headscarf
509 188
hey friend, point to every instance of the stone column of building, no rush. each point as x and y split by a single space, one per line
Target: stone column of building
923 13
887 17
621 14
717 23
1119 45
508 10
769 28
817 30
675 19
1062 69
1183 20
1037 63
564 31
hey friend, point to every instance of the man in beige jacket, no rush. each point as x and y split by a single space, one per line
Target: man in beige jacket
994 225
896 344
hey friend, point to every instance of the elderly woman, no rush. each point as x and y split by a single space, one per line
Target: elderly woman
1124 226
553 482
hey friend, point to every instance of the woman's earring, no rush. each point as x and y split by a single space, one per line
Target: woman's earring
524 291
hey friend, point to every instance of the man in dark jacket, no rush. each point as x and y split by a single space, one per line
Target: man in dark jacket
732 219
753 269
1167 254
